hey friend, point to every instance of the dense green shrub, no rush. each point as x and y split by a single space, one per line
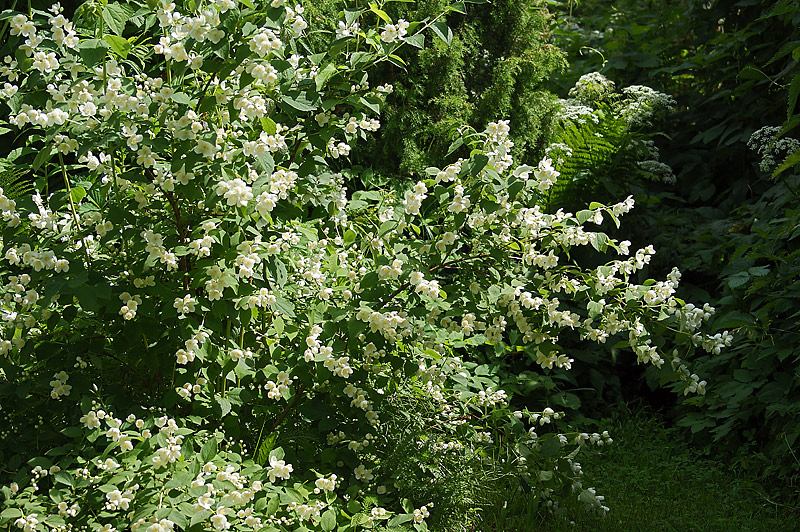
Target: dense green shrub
602 146
205 328
751 408
496 63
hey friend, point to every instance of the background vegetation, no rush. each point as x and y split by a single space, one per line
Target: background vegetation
730 218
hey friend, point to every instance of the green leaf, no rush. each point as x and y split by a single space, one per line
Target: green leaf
77 194
266 161
794 90
369 280
588 497
302 101
351 14
443 31
87 297
283 306
224 405
209 450
262 456
11 513
772 393
595 308
55 495
328 521
178 517
477 163
361 59
181 98
790 47
584 215
116 16
324 75
273 505
599 241
454 146
353 507
738 279
92 51
64 478
397 61
494 292
416 40
400 519
278 271
200 517
268 125
790 161
381 13
7 13
567 400
386 226
359 519
549 447
458 7
373 104
733 319
42 157
119 45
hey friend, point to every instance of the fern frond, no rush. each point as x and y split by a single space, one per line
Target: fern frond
14 184
597 161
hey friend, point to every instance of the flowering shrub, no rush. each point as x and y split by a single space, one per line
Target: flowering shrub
207 326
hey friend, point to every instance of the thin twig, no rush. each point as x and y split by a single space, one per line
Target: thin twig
203 93
288 409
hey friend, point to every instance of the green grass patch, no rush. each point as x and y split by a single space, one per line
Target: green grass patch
654 481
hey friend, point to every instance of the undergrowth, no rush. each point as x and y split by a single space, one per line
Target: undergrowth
653 481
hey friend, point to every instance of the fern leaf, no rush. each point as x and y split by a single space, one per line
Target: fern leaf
14 184
595 162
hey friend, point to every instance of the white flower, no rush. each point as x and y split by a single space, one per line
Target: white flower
279 469
362 473
420 514
265 42
235 191
184 305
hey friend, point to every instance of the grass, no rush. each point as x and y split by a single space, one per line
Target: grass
655 482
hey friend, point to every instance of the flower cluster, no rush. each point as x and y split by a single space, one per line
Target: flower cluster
279 469
592 87
772 148
60 386
393 32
